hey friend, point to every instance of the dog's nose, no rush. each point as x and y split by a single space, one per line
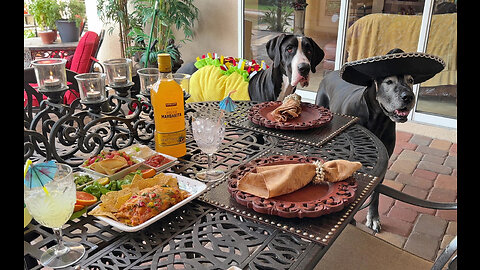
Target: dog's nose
407 97
304 68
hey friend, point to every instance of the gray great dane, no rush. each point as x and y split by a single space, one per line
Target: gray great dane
381 97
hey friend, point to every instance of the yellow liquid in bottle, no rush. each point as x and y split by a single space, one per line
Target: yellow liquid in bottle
169 116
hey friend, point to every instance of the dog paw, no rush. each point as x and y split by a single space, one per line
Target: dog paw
373 223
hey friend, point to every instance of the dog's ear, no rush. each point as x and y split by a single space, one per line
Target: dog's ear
317 55
273 49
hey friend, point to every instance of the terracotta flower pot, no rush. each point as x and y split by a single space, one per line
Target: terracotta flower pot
48 37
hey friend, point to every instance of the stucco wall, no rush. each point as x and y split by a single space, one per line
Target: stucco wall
215 31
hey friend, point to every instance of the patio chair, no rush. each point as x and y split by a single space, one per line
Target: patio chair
83 60
357 249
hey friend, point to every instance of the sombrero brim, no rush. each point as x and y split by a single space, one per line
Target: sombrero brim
420 66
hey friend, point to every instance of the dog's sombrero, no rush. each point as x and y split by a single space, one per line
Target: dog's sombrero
420 66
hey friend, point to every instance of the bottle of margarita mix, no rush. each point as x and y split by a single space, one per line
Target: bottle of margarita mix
169 111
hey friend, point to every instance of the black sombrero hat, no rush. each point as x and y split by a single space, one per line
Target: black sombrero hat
421 66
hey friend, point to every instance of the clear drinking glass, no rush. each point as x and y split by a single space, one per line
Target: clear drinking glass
183 80
53 209
208 131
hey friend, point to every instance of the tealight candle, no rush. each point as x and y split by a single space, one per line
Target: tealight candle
94 95
51 82
120 80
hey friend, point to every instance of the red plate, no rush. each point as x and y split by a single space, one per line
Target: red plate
309 201
312 116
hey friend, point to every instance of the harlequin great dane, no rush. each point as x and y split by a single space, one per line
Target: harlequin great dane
293 58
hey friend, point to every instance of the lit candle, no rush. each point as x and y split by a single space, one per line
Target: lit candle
94 95
120 79
51 82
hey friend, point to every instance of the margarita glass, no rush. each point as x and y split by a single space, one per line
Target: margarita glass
208 131
52 208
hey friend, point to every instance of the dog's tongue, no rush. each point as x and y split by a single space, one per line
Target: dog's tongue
402 112
300 79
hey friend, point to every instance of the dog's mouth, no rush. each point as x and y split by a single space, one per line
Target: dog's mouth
400 115
397 115
302 80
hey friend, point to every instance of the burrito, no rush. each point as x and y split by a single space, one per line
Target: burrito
275 180
289 109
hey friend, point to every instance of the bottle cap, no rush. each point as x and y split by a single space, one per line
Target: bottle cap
164 62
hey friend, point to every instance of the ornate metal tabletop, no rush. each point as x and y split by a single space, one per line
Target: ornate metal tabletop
208 233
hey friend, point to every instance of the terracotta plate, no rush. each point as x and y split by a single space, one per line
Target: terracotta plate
309 201
312 116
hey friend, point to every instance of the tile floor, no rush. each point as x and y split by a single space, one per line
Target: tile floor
424 167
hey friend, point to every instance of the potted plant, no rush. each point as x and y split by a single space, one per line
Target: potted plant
73 13
163 16
45 13
115 12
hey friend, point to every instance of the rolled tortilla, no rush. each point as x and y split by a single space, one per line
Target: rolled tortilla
276 180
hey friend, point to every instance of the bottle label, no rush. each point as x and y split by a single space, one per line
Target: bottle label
171 138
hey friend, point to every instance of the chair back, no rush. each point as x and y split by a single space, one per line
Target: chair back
87 48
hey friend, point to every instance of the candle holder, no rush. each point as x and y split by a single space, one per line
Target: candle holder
119 75
51 78
92 90
148 78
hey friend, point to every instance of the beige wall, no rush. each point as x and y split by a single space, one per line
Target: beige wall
215 16
215 31
110 46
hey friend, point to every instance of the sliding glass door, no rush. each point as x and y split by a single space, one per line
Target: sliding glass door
374 27
349 30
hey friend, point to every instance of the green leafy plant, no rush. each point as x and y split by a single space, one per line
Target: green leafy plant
73 10
276 17
115 11
28 33
45 13
180 14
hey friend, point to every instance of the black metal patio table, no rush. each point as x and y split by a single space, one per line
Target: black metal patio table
215 232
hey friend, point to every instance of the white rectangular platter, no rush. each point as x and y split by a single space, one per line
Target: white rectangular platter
194 187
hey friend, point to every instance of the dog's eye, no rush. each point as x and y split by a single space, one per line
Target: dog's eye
389 82
410 80
289 49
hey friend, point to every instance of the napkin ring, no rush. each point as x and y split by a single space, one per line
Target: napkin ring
319 172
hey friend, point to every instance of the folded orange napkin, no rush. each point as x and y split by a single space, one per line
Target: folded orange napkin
275 180
291 108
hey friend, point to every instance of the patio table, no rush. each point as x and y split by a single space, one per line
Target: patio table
34 48
215 232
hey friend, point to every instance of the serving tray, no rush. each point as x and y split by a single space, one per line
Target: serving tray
192 186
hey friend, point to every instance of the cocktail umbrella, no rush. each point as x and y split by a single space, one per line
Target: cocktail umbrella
227 103
38 175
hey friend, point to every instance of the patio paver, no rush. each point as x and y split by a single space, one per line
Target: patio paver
426 168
